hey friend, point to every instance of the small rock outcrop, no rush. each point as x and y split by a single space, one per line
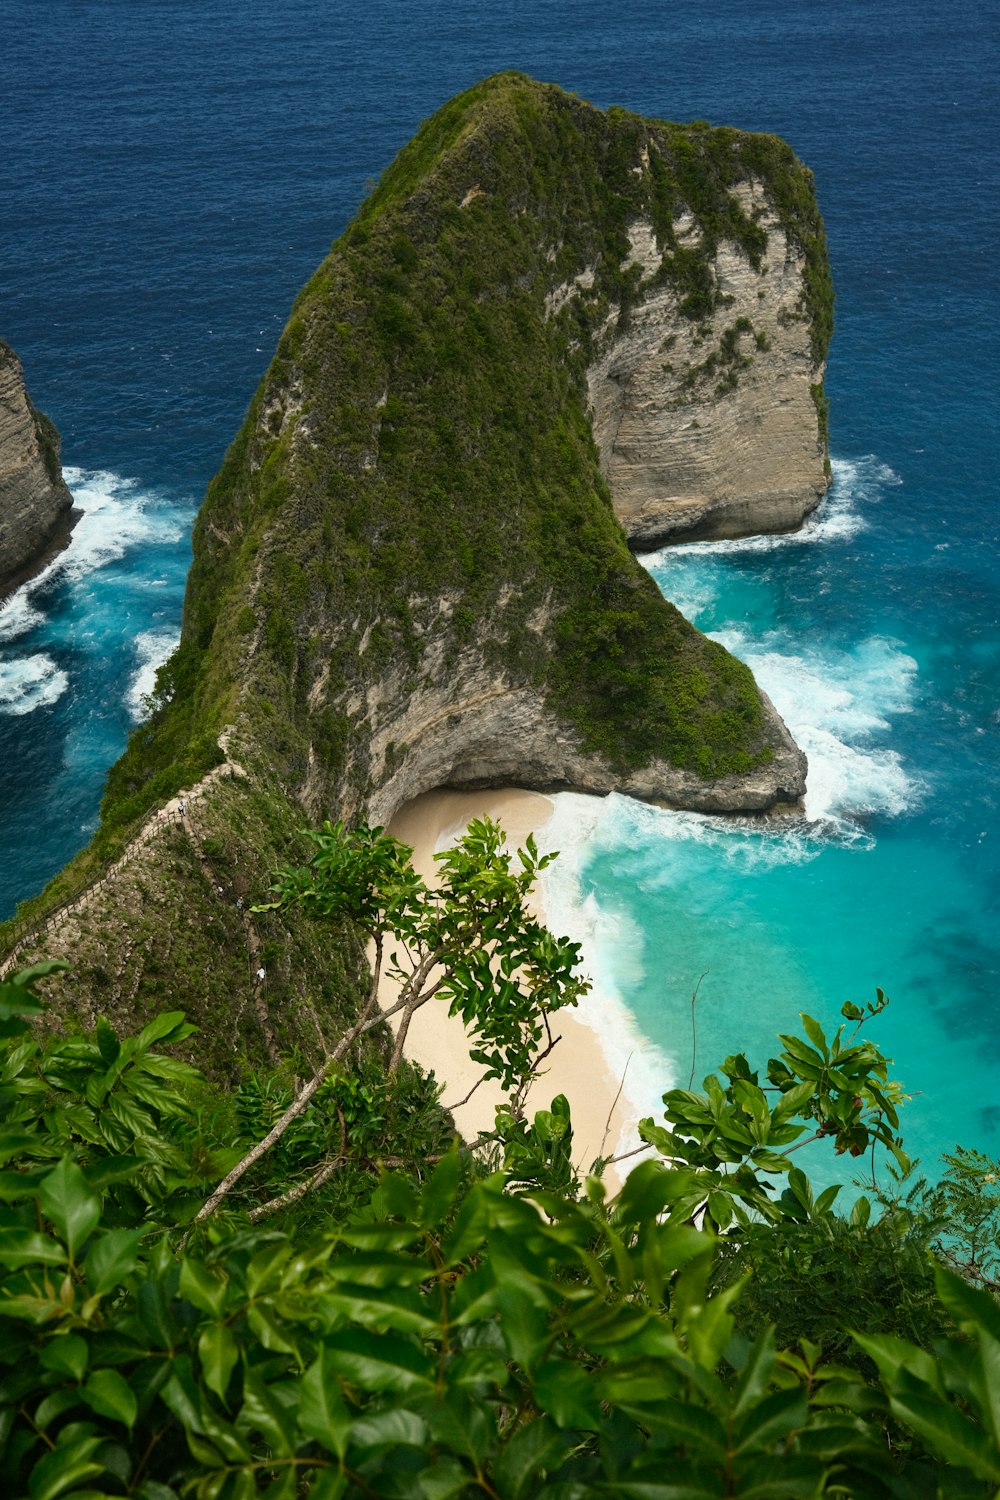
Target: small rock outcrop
36 508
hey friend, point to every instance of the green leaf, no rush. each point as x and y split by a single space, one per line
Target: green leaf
167 1028
107 1393
263 1412
218 1353
65 1468
327 1484
112 1258
202 1287
440 1191
792 1101
970 1307
755 1373
377 1362
69 1203
771 1420
394 1308
107 1041
567 1392
323 1414
814 1032
390 1429
66 1355
533 1451
55 1405
265 1325
947 1433
446 1479
21 1247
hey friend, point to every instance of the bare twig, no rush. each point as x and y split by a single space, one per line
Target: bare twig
636 1151
694 1030
293 1195
614 1102
453 1107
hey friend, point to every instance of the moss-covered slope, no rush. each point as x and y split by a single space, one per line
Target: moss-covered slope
408 571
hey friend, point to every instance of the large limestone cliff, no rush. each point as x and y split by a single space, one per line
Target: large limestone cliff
411 571
35 505
713 427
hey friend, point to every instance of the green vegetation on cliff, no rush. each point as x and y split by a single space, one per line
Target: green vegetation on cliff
416 480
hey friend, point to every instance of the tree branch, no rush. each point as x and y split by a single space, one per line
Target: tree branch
293 1195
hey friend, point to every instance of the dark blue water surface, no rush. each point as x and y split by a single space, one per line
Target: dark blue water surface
170 176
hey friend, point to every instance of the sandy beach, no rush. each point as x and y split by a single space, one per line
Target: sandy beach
603 1115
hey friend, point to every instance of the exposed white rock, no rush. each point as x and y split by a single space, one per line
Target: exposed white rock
709 429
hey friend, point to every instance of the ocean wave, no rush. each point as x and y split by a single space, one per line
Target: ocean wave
30 682
837 704
118 515
152 647
613 950
18 615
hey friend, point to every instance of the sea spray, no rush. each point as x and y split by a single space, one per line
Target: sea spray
152 647
96 596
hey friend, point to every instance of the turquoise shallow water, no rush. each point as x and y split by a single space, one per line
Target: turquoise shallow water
172 175
890 878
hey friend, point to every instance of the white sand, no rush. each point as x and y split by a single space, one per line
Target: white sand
603 1115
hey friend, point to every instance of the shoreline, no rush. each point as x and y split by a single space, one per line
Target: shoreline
604 1113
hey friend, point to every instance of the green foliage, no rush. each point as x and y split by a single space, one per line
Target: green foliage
736 1140
964 1207
442 1338
468 939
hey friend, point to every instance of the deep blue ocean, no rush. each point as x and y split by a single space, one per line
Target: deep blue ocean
171 174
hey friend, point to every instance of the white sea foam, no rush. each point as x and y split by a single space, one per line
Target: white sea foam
117 516
152 647
839 516
838 705
30 682
18 615
613 957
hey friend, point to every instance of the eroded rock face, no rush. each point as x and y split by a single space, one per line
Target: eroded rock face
36 508
710 427
468 728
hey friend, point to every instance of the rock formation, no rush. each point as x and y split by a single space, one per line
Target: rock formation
36 508
410 572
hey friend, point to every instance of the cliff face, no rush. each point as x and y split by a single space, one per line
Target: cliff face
713 427
35 505
410 571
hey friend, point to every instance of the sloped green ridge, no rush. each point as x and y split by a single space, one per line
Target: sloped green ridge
421 436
